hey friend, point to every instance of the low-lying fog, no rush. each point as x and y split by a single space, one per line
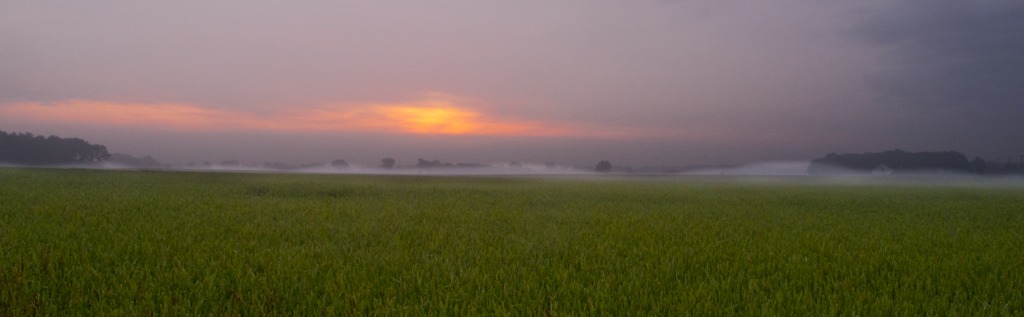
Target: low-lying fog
780 173
794 172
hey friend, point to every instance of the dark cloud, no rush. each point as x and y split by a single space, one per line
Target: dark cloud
954 66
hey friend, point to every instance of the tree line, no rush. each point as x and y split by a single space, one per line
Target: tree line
902 162
29 149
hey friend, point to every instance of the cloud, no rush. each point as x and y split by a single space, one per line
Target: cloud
951 72
441 115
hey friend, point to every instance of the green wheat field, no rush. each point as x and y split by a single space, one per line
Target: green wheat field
131 243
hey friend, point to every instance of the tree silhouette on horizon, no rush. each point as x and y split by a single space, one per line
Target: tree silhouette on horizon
387 162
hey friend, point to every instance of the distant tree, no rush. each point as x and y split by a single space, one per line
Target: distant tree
603 167
387 162
514 164
550 165
339 163
230 163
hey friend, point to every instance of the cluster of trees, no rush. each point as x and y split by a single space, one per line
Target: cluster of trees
894 161
993 167
421 163
28 149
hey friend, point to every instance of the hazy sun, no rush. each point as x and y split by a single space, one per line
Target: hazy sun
433 119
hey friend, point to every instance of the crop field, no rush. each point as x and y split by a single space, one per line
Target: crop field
108 243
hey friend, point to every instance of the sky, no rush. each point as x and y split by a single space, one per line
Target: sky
640 83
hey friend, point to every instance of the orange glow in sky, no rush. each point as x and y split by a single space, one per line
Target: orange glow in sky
434 120
423 117
162 115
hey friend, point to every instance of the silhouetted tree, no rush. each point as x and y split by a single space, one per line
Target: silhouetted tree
339 163
603 167
387 162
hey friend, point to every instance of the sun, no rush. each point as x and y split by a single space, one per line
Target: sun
435 119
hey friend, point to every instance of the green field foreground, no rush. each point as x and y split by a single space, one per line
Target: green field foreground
101 243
